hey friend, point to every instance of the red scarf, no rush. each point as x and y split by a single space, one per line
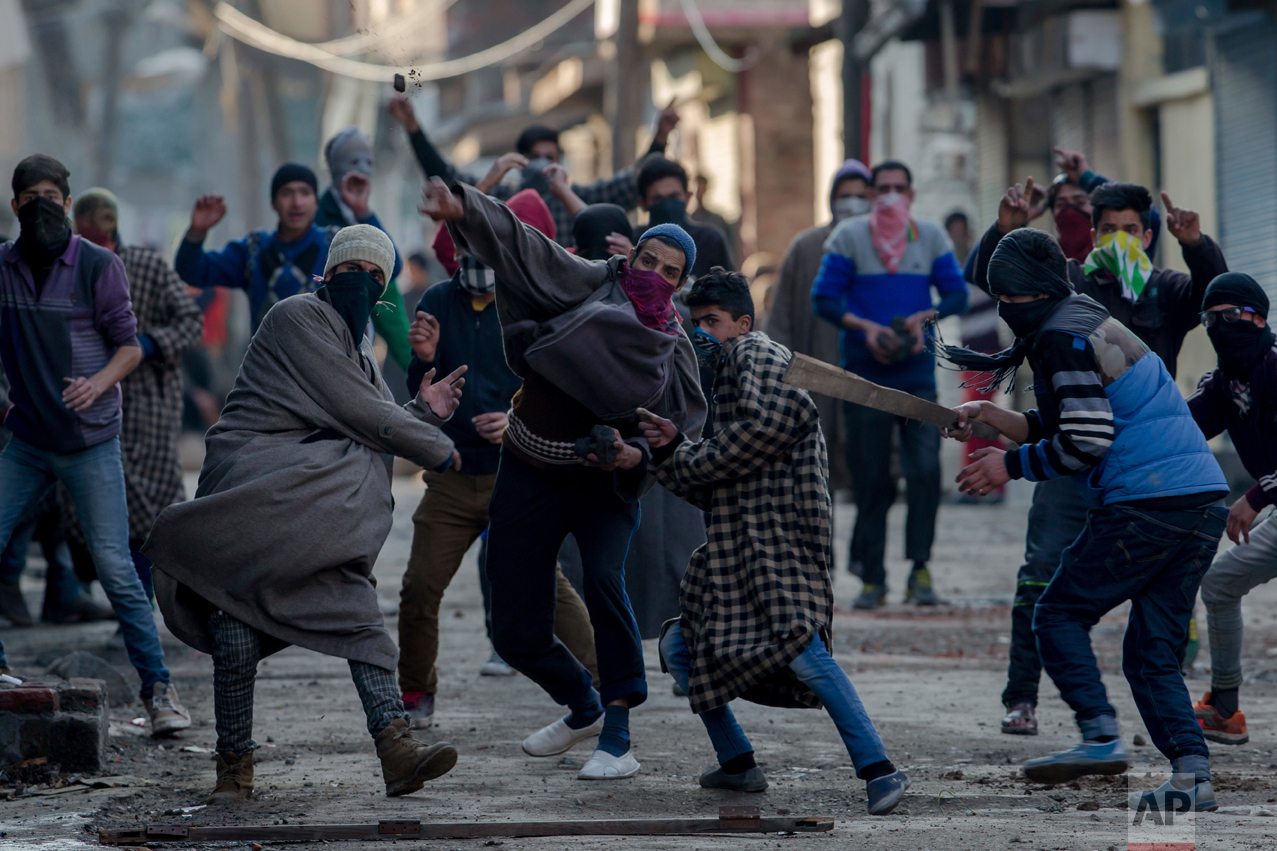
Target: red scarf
889 226
650 294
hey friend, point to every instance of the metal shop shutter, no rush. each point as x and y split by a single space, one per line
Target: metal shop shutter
1244 77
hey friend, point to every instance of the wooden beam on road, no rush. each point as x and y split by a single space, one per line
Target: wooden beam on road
730 820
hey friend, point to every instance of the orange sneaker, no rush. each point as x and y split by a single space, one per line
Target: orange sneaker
1225 731
1203 708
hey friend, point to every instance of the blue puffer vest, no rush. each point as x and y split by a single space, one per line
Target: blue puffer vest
1159 450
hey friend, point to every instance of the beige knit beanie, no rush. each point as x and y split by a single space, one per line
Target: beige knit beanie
362 242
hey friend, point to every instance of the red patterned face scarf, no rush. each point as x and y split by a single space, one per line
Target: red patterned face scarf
650 294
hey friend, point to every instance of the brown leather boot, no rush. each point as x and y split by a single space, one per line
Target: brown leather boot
234 779
406 763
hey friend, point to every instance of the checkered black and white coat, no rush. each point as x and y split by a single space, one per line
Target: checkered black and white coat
152 393
758 591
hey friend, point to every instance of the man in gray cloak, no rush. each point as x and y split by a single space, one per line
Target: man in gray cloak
294 504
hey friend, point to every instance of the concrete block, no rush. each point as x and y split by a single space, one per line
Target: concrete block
64 721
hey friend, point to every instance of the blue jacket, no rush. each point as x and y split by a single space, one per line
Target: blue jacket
475 341
853 279
1157 449
262 264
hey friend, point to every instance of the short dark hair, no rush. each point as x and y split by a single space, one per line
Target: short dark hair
724 289
418 258
536 133
36 168
956 216
659 168
892 165
1121 196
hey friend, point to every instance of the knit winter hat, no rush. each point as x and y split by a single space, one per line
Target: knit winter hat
362 242
290 172
679 237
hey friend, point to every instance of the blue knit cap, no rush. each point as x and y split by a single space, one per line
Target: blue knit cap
679 236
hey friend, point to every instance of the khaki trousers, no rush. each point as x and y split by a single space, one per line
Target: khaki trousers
452 515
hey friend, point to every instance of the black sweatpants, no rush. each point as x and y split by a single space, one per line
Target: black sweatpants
532 511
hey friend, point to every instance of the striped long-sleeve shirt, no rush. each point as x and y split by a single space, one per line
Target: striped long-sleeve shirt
1073 428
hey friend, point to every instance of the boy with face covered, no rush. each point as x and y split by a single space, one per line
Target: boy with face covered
590 339
292 508
1239 397
757 597
1160 306
1111 420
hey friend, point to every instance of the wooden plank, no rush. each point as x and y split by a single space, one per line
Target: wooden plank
159 833
819 377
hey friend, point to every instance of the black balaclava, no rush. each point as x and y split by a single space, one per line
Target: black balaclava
353 295
45 232
1026 262
1239 345
594 224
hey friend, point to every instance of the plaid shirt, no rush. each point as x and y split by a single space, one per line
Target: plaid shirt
758 591
153 392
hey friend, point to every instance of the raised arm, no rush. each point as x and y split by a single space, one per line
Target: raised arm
528 265
201 268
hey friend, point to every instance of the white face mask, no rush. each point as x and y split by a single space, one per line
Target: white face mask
848 206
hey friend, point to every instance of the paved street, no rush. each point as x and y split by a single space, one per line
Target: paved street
931 681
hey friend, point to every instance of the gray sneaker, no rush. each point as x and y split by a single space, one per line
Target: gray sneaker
1201 796
496 667
166 712
751 781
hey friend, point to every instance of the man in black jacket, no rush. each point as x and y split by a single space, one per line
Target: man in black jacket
663 193
1160 306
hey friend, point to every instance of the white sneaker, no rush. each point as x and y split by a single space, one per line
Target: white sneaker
604 766
559 738
496 667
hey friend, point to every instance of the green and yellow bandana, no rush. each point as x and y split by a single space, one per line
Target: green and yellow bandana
1122 256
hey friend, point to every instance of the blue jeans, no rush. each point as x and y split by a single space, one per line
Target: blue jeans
816 668
94 478
1156 560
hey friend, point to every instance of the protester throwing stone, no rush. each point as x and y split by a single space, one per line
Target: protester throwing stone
293 506
593 342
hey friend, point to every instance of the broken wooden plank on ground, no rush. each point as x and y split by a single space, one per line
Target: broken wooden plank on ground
730 820
807 373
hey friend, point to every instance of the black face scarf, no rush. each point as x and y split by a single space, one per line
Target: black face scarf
668 211
1240 345
353 295
1026 317
1026 262
45 232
